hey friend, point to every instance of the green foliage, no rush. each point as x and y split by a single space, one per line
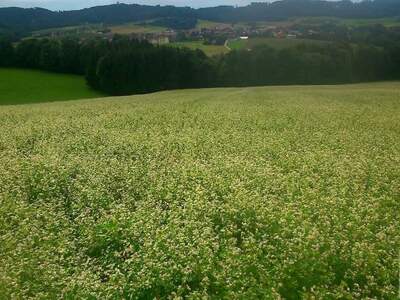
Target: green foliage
6 52
246 193
307 63
28 86
129 67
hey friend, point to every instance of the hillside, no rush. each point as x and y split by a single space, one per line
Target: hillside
37 18
230 193
19 86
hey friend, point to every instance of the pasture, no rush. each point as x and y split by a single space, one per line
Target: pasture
130 28
18 86
87 30
234 193
206 24
209 50
276 43
352 22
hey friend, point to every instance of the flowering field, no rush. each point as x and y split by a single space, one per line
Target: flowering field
247 193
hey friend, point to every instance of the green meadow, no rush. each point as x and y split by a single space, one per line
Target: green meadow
287 192
18 86
353 22
130 28
206 24
209 50
275 43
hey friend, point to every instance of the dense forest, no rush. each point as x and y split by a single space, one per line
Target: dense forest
124 66
25 20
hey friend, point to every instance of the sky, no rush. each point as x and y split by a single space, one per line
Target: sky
78 4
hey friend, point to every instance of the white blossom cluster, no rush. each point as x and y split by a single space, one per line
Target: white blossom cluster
249 193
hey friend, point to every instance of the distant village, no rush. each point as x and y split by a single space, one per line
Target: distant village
212 35
216 35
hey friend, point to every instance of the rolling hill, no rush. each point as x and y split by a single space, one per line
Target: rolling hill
38 18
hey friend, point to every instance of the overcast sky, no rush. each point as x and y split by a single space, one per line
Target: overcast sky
77 4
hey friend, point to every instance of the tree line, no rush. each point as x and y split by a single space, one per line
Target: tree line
123 66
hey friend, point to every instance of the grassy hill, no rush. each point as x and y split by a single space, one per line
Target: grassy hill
246 193
19 86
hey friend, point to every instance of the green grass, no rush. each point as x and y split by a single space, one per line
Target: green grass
210 50
388 22
91 29
19 86
237 44
130 28
275 43
236 193
80 30
205 24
